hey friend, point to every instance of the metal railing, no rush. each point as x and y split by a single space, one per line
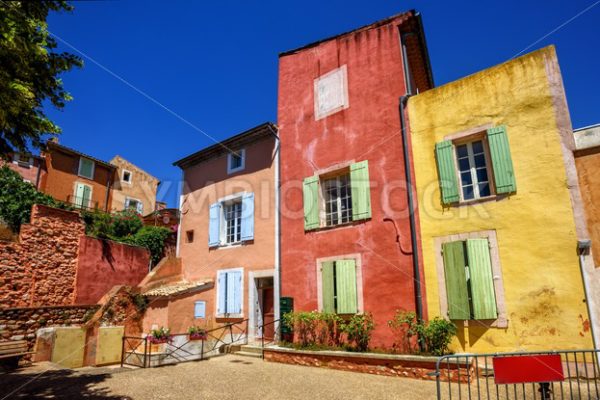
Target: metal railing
82 202
274 339
141 352
569 374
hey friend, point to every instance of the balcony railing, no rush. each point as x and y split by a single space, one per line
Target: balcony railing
82 202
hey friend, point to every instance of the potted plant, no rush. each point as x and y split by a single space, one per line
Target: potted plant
160 335
197 333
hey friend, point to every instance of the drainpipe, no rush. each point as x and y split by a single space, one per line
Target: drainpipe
409 183
583 248
277 278
180 214
108 186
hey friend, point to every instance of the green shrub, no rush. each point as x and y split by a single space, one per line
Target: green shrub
303 324
405 329
125 223
437 335
433 336
153 238
359 329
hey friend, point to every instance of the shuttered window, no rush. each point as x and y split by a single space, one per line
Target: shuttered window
232 221
229 292
346 197
467 169
338 282
469 280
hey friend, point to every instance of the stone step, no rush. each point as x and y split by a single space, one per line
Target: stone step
247 354
251 349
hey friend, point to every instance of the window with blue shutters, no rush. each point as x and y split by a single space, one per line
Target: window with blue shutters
231 221
229 292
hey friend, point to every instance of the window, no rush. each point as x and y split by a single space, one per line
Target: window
236 161
231 220
126 177
473 170
229 292
475 166
83 195
469 280
331 93
86 168
200 309
338 200
23 160
134 204
190 236
332 200
339 289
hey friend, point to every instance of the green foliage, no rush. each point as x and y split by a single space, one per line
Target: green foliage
125 223
303 324
160 334
153 238
359 329
18 197
434 336
30 73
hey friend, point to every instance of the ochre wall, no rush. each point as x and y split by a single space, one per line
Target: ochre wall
103 264
368 130
588 170
535 227
143 186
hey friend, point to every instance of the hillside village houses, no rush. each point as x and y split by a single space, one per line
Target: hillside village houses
375 192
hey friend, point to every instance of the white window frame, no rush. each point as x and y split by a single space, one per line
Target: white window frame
197 302
91 194
24 164
468 141
230 168
128 200
343 70
223 233
237 197
502 320
323 202
93 168
230 315
123 177
359 279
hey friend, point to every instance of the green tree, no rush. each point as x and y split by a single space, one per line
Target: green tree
30 70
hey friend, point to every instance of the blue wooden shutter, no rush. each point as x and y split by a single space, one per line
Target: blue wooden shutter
234 292
444 154
214 230
248 216
222 291
504 172
200 309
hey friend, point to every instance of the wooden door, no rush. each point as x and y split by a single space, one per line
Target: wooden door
268 308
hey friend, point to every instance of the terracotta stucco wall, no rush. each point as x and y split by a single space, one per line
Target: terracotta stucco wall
103 264
588 170
143 186
34 173
369 129
61 178
536 229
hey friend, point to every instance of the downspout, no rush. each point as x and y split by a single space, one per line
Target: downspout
180 216
108 186
277 278
583 248
409 183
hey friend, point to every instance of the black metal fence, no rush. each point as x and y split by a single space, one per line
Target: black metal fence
142 352
570 374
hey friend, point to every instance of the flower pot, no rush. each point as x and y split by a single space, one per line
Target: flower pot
198 336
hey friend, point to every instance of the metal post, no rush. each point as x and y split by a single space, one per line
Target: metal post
202 351
122 350
146 351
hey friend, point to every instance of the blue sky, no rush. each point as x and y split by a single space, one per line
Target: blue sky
214 64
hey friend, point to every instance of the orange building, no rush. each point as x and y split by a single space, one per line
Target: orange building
227 266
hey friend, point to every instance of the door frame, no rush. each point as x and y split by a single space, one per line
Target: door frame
252 298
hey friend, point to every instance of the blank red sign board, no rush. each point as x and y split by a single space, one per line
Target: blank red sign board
528 369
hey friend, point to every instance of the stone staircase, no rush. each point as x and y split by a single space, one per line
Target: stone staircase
248 350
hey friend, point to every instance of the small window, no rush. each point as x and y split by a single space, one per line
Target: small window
134 204
86 168
200 309
338 200
331 93
473 168
236 161
126 176
23 160
232 214
190 236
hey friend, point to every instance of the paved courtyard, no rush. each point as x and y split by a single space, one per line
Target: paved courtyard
228 377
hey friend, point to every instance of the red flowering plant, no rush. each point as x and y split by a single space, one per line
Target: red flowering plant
160 335
197 333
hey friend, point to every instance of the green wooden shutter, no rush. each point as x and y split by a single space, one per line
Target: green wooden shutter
310 191
345 273
482 279
361 190
456 280
504 172
444 153
327 286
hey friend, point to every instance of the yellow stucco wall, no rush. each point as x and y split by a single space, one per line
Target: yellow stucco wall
535 226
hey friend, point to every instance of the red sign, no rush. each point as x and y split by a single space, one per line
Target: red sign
528 369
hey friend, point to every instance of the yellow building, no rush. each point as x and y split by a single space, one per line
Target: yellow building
495 183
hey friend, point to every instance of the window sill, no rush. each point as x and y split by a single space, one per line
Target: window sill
500 323
231 245
464 203
85 177
233 171
229 317
338 226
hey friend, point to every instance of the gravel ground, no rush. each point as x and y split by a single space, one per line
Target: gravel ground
227 377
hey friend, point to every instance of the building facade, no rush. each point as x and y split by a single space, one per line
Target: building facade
345 233
227 239
495 179
134 188
32 168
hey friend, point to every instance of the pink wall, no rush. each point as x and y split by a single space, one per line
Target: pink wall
368 130
103 264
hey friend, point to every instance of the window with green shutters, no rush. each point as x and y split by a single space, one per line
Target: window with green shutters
475 167
338 282
337 198
469 280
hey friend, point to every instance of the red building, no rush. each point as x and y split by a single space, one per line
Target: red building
345 230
